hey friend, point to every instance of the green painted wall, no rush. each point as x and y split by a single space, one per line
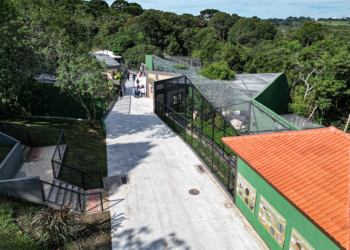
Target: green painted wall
275 95
149 65
294 218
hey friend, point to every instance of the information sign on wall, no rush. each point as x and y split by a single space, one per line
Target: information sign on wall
246 192
297 242
273 221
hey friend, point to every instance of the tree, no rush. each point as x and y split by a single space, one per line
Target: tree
251 31
221 23
133 9
219 70
310 33
136 55
98 7
207 14
119 5
82 76
121 41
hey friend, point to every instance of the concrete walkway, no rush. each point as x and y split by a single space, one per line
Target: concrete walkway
155 210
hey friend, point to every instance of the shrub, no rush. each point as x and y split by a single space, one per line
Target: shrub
179 66
54 226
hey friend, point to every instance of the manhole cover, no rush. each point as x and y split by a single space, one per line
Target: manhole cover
194 191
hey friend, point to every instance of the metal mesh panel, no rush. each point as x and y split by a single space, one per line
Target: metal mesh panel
167 66
301 122
230 99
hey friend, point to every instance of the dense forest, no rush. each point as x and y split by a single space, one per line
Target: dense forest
315 57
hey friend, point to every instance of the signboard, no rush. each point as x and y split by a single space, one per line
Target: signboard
246 192
297 242
273 221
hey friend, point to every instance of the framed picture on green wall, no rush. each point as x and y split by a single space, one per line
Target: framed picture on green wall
246 192
273 221
297 242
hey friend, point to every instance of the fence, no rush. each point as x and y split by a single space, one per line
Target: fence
221 164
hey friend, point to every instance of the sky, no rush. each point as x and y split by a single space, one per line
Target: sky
261 8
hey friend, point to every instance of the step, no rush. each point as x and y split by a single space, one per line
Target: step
74 199
68 195
61 193
53 192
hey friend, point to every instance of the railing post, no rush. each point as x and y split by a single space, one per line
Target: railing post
82 179
228 177
235 181
213 142
53 169
64 139
101 201
101 179
42 190
59 151
79 202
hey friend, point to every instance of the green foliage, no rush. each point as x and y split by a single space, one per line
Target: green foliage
310 33
219 70
121 41
251 31
221 23
10 234
82 75
136 55
55 226
179 66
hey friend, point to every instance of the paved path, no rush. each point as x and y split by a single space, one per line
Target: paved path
155 210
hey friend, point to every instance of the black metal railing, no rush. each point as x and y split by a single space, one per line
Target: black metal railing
220 163
85 180
33 140
108 104
78 204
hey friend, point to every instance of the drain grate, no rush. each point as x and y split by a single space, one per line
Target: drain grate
124 180
194 192
200 167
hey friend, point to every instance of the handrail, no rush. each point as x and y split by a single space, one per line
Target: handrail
94 172
7 124
73 192
45 132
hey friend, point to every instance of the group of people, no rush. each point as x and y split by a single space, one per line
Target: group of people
139 90
135 74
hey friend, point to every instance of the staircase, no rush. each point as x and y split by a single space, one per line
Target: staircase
61 193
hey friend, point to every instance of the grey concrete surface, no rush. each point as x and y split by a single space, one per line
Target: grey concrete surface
12 163
42 167
7 140
155 210
24 188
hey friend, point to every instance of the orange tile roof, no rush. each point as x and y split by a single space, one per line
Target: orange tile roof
310 167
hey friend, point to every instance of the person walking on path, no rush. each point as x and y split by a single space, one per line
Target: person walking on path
128 74
134 76
121 93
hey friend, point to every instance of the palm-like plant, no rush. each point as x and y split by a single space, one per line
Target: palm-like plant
54 226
